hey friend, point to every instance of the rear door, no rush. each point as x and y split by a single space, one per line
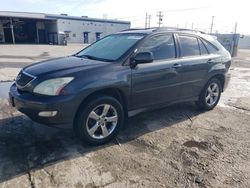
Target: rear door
159 81
196 62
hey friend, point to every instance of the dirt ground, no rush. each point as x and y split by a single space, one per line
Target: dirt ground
178 146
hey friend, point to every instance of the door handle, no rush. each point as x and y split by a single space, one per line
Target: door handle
176 65
210 61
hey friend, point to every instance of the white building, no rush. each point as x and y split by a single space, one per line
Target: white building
23 27
244 42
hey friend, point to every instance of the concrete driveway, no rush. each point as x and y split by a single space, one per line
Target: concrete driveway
178 146
14 57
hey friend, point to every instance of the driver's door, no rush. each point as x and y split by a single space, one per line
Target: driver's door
159 81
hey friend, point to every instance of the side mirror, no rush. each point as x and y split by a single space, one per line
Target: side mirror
143 57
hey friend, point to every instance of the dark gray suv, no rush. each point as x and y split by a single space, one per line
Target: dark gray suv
93 90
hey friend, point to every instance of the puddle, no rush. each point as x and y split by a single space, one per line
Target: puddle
4 89
199 145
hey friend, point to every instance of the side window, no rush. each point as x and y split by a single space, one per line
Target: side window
210 47
203 48
162 46
189 46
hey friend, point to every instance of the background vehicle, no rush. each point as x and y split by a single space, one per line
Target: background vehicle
94 89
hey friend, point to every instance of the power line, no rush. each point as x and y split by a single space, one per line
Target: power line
170 10
186 9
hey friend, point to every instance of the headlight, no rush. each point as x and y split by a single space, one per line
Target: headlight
52 86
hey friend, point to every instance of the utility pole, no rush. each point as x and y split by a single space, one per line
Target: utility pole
192 26
149 19
160 16
212 25
12 31
235 27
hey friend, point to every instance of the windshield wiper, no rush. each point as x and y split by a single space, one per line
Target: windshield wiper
94 58
87 56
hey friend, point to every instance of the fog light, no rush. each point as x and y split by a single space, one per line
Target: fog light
47 113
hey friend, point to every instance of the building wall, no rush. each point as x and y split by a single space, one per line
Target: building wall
52 31
76 29
229 42
40 25
244 42
1 33
57 28
51 27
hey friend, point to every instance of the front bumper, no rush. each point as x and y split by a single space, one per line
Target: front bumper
31 104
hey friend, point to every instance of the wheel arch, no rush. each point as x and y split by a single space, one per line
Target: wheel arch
111 92
221 78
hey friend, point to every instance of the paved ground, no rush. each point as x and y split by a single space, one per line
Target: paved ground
178 146
13 58
20 55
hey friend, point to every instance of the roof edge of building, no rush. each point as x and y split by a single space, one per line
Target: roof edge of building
58 16
86 18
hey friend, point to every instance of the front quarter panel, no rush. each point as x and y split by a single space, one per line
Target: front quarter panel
113 76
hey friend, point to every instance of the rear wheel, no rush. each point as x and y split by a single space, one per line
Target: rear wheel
98 121
210 95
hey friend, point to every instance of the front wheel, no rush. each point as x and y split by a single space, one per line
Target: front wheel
210 95
99 120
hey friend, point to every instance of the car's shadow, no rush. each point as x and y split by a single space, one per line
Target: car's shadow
25 145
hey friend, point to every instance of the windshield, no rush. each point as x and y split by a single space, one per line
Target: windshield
110 48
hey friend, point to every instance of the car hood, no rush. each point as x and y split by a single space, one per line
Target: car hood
66 64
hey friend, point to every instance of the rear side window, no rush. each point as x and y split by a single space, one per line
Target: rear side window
189 46
162 46
203 48
211 49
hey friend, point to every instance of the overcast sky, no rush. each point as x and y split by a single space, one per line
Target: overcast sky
181 13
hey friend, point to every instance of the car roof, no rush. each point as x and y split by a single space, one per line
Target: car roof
168 30
150 31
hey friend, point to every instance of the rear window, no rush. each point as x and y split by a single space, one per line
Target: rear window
189 46
211 48
203 48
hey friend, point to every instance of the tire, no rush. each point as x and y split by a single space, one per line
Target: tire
99 120
210 95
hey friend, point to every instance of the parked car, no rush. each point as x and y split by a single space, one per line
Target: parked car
93 90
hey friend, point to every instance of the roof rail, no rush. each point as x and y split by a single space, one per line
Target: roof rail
179 29
165 29
193 30
135 29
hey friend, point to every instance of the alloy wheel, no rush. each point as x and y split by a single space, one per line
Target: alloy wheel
212 94
102 121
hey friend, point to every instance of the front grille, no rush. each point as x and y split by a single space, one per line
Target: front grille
23 79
